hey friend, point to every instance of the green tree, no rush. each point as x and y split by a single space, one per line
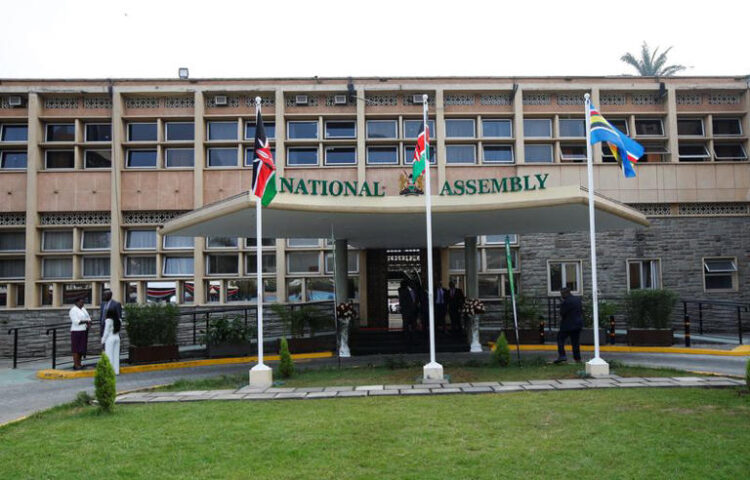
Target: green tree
501 353
105 387
286 365
652 64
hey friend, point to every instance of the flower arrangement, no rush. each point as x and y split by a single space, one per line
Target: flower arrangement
473 306
346 311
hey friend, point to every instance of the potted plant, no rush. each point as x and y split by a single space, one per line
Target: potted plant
606 309
347 315
152 332
650 316
473 307
297 320
529 318
228 336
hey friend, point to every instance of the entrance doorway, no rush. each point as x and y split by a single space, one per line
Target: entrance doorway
402 264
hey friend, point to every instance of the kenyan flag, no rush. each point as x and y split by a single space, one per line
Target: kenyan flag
421 154
264 170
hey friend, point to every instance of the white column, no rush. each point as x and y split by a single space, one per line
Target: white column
341 280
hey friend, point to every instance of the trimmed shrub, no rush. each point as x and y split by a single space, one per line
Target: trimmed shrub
501 353
83 399
286 365
151 324
228 330
606 309
105 388
650 308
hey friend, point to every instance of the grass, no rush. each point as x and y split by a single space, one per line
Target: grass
637 433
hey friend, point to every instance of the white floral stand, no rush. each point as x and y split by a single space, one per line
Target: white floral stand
476 347
344 339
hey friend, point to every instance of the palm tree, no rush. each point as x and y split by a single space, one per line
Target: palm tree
652 64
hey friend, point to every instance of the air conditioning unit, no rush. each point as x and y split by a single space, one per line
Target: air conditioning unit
220 100
300 100
15 101
339 99
417 99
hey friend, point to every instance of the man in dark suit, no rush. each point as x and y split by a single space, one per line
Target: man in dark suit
409 304
571 323
107 303
441 306
455 306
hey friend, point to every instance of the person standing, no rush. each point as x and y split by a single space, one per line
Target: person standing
79 323
571 323
111 337
107 303
441 306
455 306
408 303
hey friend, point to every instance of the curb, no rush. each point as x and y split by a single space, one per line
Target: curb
740 351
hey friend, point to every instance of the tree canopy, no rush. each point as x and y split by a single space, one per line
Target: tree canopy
652 64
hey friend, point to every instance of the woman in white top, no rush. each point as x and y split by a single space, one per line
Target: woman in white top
111 338
79 323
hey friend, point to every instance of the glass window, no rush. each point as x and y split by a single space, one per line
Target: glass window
179 157
294 290
142 132
213 289
644 274
693 153
456 259
497 129
460 154
188 289
352 262
46 293
13 160
140 266
12 241
14 133
570 127
652 153
98 132
489 286
496 259
222 130
317 289
730 151
620 124
242 290
264 242
341 156
381 129
61 132
302 156
95 240
269 290
270 129
141 159
140 239
221 265
497 153
303 242
221 242
537 127
382 155
59 159
412 128
222 157
573 153
302 130
564 274
409 154
649 126
177 241
341 129
727 126
12 267
178 266
303 262
179 131
250 155
57 240
73 291
720 273
460 128
269 263
131 292
95 266
690 126
534 153
500 239
57 267
161 292
97 159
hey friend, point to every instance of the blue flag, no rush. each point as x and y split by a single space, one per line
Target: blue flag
625 150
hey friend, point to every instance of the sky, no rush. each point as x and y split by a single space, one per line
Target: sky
385 38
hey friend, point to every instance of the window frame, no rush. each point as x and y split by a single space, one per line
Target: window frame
43 246
178 122
271 138
303 273
333 147
727 135
83 238
650 119
165 258
691 135
693 157
86 158
381 121
525 130
46 158
215 149
562 262
171 149
504 120
83 266
447 155
3 126
3 154
23 246
572 159
130 133
559 127
86 132
289 123
131 150
734 274
226 254
165 247
656 274
431 122
131 275
473 128
551 152
730 159
209 123
51 124
69 258
290 149
378 146
335 137
143 249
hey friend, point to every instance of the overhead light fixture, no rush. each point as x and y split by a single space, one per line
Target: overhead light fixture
183 73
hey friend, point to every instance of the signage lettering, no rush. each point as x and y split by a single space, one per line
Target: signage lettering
334 188
484 186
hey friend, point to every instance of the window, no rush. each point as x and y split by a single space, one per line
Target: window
497 153
10 160
409 154
12 268
264 242
727 126
294 289
302 130
58 159
270 129
412 128
564 274
572 127
720 273
222 130
179 131
303 262
95 240
57 267
57 240
690 127
161 292
178 266
317 289
222 157
187 292
729 151
46 293
538 153
213 288
176 241
500 239
140 266
573 153
95 267
497 129
179 157
242 291
456 259
61 132
461 154
97 159
352 262
619 123
12 241
382 155
221 265
297 156
341 156
14 133
644 274
268 266
537 127
73 291
649 127
98 132
652 153
693 153
142 132
140 240
221 242
141 159
496 259
303 242
460 128
381 129
346 129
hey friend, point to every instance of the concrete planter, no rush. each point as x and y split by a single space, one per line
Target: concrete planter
312 344
650 337
587 336
241 349
525 336
153 354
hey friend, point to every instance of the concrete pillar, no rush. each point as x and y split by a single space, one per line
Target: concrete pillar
518 125
199 156
470 260
33 165
441 152
361 135
341 270
119 290
671 126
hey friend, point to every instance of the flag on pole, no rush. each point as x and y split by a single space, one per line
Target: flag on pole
509 259
421 154
625 150
264 170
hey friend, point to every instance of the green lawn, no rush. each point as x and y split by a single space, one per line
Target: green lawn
638 433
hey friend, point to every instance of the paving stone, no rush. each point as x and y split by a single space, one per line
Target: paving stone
634 385
631 380
290 395
458 385
214 393
599 381
485 384
508 388
513 383
132 400
572 381
662 384
356 393
279 390
228 396
193 392
384 393
129 396
718 379
439 391
692 384
538 387
338 389
396 387
367 388
477 389
164 399
310 389
415 391
725 383
688 379
323 394
655 379
604 385
193 398
571 386
259 396
250 390
540 382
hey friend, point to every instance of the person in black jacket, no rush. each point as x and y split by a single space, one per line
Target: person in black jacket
409 305
571 323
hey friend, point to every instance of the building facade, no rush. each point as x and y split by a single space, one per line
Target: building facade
89 169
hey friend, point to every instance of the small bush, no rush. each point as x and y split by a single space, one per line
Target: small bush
286 364
105 388
606 309
83 399
151 324
228 330
501 353
650 308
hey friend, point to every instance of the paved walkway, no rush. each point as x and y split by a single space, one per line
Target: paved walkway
273 393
